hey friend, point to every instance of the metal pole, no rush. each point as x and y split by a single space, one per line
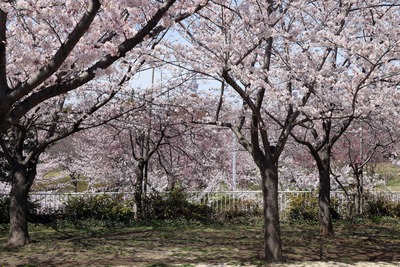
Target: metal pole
361 174
234 158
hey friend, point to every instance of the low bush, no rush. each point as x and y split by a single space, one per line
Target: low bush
175 206
237 210
381 207
107 209
305 208
228 204
33 208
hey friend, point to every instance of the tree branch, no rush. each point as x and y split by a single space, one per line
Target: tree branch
3 58
89 74
59 57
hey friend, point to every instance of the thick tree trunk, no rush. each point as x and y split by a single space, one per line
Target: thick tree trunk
272 234
325 219
21 184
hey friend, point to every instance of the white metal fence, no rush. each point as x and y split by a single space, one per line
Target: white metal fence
221 201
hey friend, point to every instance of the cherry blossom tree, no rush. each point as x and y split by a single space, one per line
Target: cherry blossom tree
297 169
138 138
321 151
233 44
23 145
367 141
370 76
292 63
75 161
50 122
50 49
155 146
195 160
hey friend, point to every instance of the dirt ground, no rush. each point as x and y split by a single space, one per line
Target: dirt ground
358 245
318 264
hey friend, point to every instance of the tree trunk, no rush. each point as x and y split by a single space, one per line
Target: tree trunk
272 235
139 188
171 183
74 181
22 179
359 201
145 181
325 219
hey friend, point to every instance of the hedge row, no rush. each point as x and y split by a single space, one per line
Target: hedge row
112 210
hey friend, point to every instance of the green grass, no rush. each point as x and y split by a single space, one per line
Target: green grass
394 183
362 240
48 183
390 172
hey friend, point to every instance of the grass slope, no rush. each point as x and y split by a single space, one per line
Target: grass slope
391 174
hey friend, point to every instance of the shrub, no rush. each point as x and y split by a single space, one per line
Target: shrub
33 208
305 207
4 210
237 210
174 205
229 204
382 207
108 209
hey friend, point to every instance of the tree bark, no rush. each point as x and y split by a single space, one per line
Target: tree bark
139 188
22 178
272 234
359 201
325 219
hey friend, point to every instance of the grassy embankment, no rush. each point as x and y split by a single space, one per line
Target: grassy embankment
391 174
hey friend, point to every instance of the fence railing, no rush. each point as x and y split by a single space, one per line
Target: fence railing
222 201
226 201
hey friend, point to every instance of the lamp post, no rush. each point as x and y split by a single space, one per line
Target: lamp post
234 159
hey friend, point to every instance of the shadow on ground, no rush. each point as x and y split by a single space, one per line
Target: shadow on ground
147 246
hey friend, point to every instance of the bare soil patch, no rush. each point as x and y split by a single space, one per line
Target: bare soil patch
362 244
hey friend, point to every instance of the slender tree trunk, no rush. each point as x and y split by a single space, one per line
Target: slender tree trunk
171 183
171 177
139 188
272 234
74 181
360 194
145 181
325 219
21 183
